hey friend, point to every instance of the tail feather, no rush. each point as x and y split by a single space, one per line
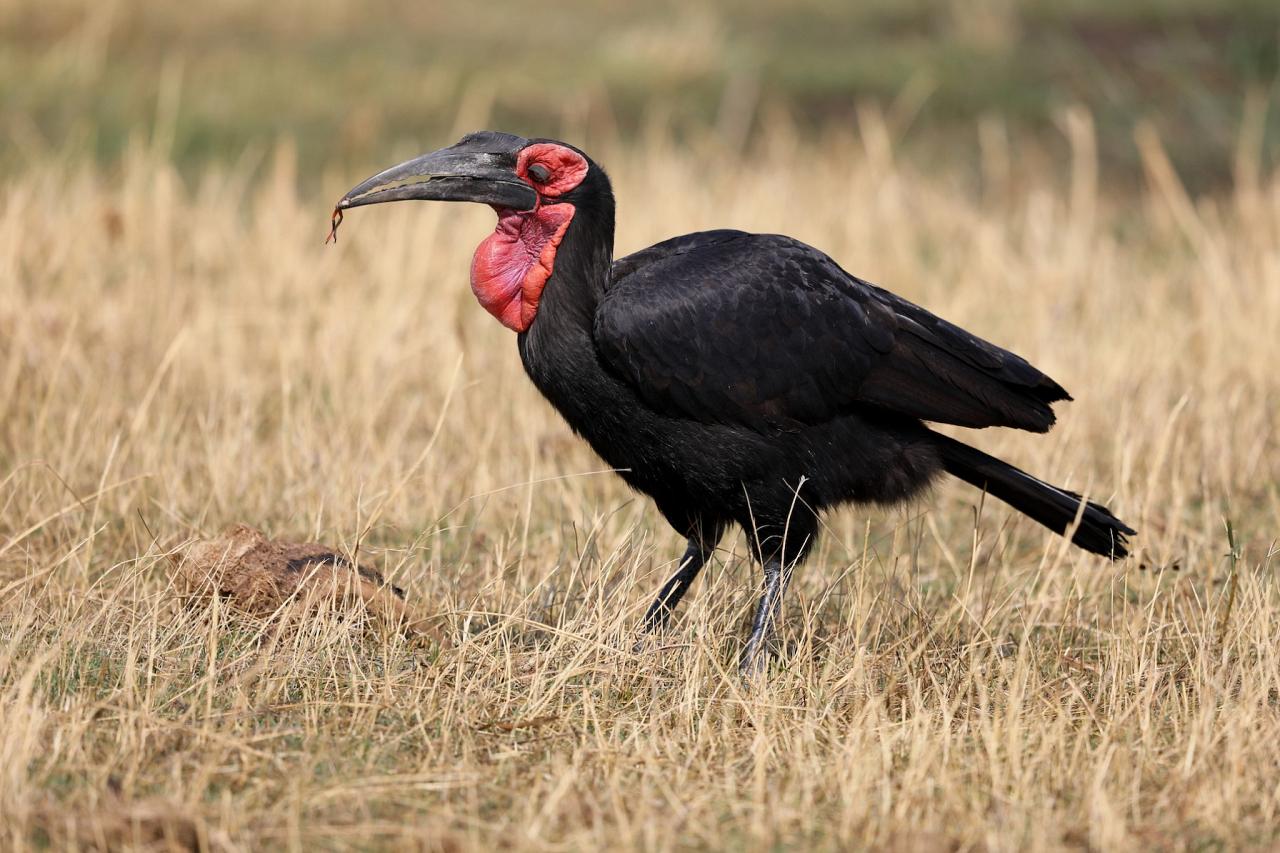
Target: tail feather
1098 530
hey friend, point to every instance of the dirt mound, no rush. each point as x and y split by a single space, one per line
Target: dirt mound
260 575
118 824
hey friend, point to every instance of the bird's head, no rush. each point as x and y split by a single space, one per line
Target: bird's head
534 185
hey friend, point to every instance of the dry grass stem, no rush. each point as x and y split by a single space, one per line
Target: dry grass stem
187 351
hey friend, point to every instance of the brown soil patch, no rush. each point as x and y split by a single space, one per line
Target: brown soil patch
260 575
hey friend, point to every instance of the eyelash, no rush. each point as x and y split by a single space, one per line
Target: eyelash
540 173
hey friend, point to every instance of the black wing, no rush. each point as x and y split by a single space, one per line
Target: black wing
762 330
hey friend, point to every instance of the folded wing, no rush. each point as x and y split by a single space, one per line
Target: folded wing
767 332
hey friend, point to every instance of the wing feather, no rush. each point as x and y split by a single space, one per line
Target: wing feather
765 331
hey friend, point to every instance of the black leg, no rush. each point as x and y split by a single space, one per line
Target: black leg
780 546
695 557
755 656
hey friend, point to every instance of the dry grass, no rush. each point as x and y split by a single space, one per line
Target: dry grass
175 358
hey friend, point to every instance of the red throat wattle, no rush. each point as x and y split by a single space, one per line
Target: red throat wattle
512 265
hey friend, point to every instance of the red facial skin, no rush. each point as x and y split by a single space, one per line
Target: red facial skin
512 265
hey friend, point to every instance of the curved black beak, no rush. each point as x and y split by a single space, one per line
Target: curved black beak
480 168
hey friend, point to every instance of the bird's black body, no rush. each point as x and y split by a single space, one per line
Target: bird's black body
747 379
709 452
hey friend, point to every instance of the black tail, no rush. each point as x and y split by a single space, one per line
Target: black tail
1098 531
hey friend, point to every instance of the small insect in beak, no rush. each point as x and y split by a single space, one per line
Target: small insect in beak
333 227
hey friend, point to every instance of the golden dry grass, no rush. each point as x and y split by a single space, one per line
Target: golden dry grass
176 357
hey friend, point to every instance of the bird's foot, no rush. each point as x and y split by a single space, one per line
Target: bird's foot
753 666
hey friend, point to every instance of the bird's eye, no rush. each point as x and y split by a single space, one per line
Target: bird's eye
540 173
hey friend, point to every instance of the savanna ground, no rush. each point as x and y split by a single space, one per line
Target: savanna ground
179 353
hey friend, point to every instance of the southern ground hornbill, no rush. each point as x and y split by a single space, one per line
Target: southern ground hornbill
732 377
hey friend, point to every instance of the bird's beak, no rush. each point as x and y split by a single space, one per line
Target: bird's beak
448 175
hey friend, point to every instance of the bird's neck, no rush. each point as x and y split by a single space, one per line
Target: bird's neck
570 242
558 349
581 272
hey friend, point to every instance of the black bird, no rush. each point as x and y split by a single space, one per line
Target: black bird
734 378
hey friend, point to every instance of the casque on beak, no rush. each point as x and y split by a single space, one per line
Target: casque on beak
480 168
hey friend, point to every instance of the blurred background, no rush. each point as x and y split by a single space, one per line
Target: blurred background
353 84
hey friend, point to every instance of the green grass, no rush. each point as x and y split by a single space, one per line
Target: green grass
354 83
